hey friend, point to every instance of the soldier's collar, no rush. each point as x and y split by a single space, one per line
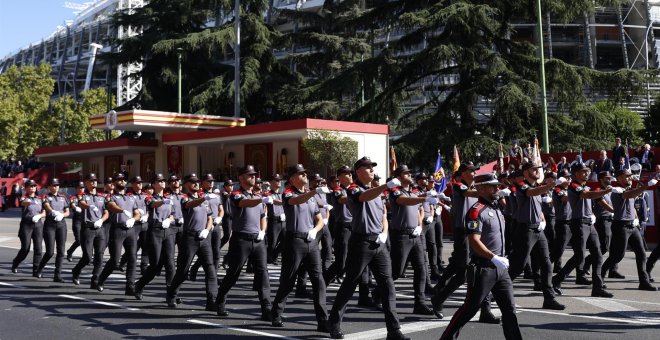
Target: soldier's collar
360 184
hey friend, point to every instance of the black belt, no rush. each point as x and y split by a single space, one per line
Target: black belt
407 231
626 224
121 225
604 218
481 262
90 225
365 237
247 236
158 225
192 232
532 226
347 225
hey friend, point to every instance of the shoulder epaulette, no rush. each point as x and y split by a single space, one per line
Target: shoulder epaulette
473 214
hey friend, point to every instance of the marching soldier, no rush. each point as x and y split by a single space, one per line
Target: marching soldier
604 212
174 191
626 229
141 226
31 228
249 230
488 269
562 218
217 212
95 214
367 247
197 225
428 225
57 208
301 247
108 190
276 220
123 214
228 188
406 234
76 220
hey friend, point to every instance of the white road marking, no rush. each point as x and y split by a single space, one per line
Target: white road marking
628 312
103 303
11 285
413 327
212 324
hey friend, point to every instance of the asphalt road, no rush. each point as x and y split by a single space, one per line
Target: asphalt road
38 308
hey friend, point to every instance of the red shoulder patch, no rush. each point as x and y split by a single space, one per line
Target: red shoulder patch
513 189
557 189
237 192
352 186
287 191
575 185
473 214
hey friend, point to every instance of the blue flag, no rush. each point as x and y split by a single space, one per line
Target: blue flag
439 178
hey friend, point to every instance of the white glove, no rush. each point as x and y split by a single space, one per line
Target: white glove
560 181
593 219
432 192
166 223
500 262
547 199
393 183
322 190
168 201
311 235
448 208
261 235
98 223
95 208
542 226
142 212
382 238
444 197
636 222
325 221
216 191
36 218
217 220
180 221
210 196
328 207
417 231
282 217
267 200
59 217
127 213
504 192
78 210
130 222
432 200
652 182
204 234
429 220
144 218
438 210
617 190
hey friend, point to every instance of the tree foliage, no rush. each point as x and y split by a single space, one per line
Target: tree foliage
326 151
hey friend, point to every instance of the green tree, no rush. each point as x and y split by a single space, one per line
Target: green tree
326 151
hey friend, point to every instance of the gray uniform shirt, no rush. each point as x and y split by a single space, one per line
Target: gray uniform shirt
341 211
124 202
486 219
529 207
35 207
96 204
403 216
195 218
624 209
367 216
580 207
598 210
160 213
299 217
176 205
274 211
562 210
321 202
461 204
246 220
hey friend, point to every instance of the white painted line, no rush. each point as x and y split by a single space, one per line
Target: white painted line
621 320
103 303
624 310
413 327
11 285
217 325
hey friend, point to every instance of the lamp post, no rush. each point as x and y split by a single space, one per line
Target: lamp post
237 59
66 79
646 57
179 52
544 98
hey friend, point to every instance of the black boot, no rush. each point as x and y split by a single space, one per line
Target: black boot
396 335
130 289
58 278
487 316
422 309
211 306
436 302
551 303
265 311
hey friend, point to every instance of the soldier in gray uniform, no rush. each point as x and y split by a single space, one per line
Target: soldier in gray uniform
76 220
174 191
562 218
301 248
93 235
197 226
160 241
31 227
227 187
604 213
406 238
276 219
217 212
141 225
247 241
428 226
123 214
626 229
367 247
57 208
488 268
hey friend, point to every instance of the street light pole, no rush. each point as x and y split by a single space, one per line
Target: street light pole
179 52
544 98
237 59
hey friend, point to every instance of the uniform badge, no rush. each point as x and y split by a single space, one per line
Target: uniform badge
50 199
288 195
473 225
490 213
464 187
237 196
355 190
524 187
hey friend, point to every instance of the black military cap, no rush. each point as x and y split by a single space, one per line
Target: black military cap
343 169
364 161
401 169
258 180
604 174
564 173
53 181
275 177
530 165
623 172
158 178
173 178
550 174
579 167
91 177
137 179
119 176
107 180
229 182
295 169
421 175
466 166
317 178
30 183
146 186
484 179
376 177
247 170
80 185
208 177
191 178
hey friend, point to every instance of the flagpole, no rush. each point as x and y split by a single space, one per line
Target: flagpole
544 98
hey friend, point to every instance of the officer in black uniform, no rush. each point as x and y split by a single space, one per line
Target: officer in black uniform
197 226
57 208
249 230
604 213
76 220
488 269
584 233
367 247
276 219
529 234
625 228
217 212
228 188
562 218
93 242
407 242
160 241
31 228
301 246
123 214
